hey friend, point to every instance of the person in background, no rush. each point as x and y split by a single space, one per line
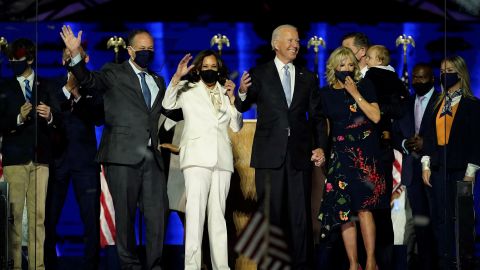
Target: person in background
451 154
355 182
74 149
206 99
359 44
290 134
408 136
134 168
28 112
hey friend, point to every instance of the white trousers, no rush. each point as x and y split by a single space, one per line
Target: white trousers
206 189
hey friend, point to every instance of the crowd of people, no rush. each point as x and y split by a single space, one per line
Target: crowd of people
350 128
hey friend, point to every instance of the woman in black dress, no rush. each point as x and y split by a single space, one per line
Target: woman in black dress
355 182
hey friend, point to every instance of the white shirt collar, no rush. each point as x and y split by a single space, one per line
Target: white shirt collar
279 64
427 96
30 78
130 61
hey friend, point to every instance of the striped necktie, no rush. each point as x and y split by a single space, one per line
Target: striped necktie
145 90
286 83
28 91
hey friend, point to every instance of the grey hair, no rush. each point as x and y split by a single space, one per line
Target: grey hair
276 33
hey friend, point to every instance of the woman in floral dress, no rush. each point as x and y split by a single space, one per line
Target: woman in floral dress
355 183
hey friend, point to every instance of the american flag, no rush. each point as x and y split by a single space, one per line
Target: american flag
264 244
107 214
398 188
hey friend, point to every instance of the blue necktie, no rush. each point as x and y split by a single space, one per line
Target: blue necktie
28 91
145 90
286 83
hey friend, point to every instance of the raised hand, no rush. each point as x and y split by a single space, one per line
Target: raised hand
183 68
71 41
245 82
350 86
230 87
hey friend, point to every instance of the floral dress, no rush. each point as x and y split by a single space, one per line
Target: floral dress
355 180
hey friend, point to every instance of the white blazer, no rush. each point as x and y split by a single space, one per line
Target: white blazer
205 141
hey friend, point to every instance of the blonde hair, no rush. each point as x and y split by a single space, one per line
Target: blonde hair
336 58
461 67
277 31
383 54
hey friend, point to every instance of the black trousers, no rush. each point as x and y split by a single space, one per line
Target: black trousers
86 185
443 195
289 194
419 203
142 184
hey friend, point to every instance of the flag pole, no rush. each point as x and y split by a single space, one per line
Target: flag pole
315 42
405 41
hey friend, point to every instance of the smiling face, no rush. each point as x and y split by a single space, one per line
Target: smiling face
286 44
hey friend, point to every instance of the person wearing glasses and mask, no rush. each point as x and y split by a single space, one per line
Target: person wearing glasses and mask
134 167
451 154
206 98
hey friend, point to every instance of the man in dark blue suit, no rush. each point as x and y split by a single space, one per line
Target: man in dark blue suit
74 151
290 133
408 133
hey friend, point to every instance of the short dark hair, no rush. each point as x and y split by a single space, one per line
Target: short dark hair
425 66
359 39
22 47
134 33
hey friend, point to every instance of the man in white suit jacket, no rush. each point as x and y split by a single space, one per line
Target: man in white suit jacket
205 151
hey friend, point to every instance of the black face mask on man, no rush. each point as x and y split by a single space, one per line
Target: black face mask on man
209 75
449 79
143 58
422 88
342 75
19 67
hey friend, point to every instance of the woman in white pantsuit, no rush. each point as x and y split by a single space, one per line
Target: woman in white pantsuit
205 150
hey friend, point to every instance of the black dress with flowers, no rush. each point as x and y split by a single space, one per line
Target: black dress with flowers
355 179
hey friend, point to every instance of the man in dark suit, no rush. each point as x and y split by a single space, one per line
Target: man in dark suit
134 168
74 151
408 134
288 107
27 115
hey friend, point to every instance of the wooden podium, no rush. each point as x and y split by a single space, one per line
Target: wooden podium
242 196
241 202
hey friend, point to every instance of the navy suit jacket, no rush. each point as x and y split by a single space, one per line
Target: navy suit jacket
463 145
75 144
31 140
303 119
404 128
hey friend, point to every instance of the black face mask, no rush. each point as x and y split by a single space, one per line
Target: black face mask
143 58
209 76
342 75
422 88
449 79
19 67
